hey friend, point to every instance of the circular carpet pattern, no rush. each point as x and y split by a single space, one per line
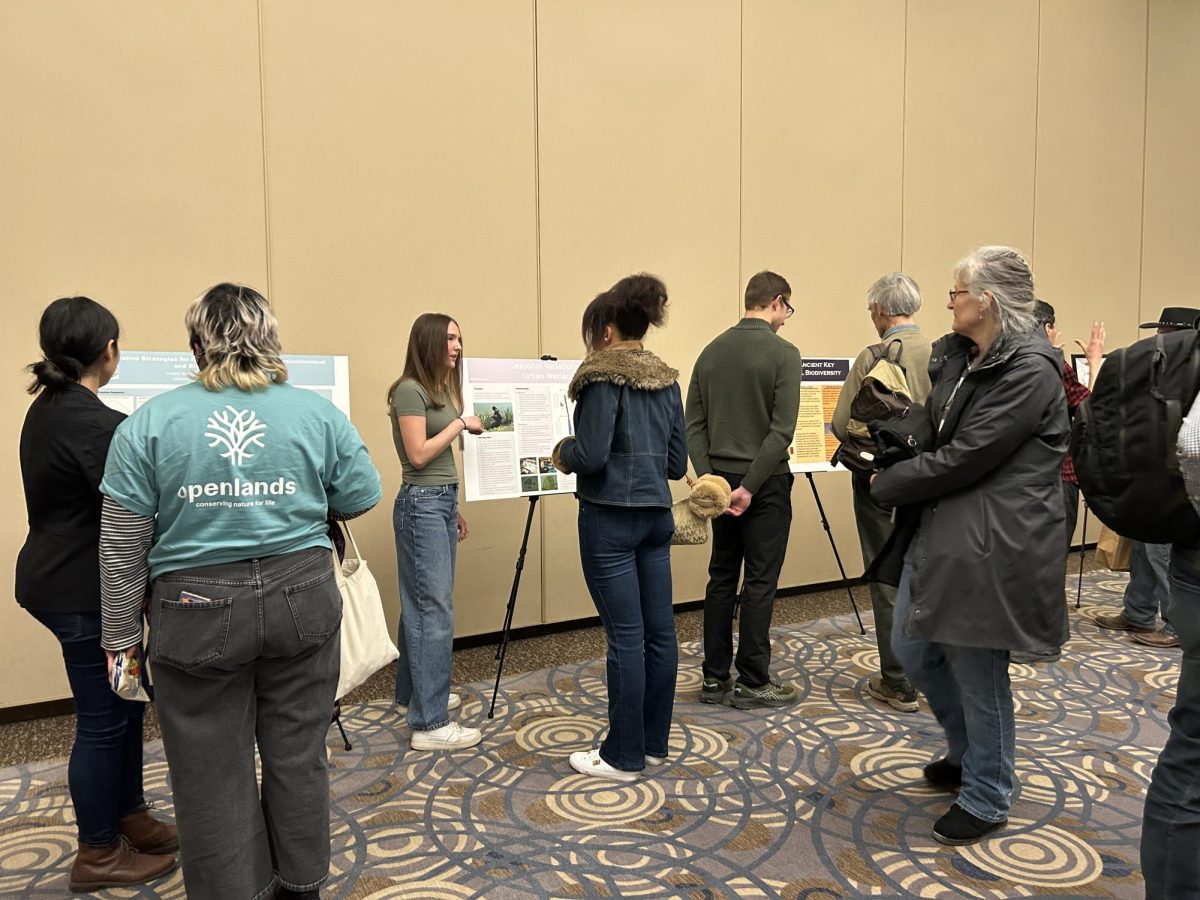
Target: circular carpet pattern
824 799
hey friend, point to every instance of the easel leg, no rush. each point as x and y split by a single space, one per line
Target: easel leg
837 556
502 650
1082 554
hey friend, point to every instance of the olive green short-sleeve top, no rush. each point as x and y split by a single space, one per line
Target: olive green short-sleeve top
410 399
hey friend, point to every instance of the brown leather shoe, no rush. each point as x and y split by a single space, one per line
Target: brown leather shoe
1118 622
116 865
1160 638
147 834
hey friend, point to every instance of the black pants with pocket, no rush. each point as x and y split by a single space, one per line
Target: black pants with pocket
748 548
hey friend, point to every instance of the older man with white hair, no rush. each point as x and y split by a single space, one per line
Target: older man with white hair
892 301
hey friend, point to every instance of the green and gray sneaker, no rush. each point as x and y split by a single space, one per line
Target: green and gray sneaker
715 691
771 694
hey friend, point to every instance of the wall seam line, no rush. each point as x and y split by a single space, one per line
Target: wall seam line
1145 146
262 108
903 131
1037 121
741 153
537 257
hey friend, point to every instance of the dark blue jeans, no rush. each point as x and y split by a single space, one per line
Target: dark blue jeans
626 555
1171 820
105 771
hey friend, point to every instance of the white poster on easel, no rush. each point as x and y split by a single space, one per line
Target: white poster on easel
525 411
813 442
142 374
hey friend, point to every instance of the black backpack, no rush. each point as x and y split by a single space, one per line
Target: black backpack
1123 439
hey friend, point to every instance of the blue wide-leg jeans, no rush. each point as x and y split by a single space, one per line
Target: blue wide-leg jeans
970 694
626 556
425 519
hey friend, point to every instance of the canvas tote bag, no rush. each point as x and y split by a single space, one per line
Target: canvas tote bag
366 645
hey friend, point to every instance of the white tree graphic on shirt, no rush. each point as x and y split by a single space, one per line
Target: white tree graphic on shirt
237 431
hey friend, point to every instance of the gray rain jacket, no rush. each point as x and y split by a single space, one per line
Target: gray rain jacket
989 554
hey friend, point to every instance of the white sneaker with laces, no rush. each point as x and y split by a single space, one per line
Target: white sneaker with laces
588 762
454 702
450 736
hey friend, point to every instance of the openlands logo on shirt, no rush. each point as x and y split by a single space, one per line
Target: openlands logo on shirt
235 432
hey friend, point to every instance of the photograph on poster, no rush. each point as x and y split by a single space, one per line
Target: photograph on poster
495 416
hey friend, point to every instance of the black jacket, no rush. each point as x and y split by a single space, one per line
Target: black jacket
64 444
989 552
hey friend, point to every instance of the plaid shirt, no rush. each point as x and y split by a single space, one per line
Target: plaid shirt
1076 394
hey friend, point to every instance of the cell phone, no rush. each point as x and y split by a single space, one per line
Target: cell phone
189 597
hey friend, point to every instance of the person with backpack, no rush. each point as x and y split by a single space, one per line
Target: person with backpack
1148 595
892 301
974 585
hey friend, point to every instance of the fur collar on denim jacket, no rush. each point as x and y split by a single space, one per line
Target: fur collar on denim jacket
623 364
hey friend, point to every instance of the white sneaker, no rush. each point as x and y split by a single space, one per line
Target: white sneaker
454 702
655 760
450 736
588 762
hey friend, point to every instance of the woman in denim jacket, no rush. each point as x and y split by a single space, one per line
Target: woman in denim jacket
629 440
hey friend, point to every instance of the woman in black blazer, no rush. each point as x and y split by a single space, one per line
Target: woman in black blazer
64 443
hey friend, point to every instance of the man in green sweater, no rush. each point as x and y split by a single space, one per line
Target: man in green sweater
741 416
892 301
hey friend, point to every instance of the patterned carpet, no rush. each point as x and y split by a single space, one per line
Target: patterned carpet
822 800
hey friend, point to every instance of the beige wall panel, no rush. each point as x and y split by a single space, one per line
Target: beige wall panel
132 172
970 119
1172 193
822 144
1088 211
400 167
638 153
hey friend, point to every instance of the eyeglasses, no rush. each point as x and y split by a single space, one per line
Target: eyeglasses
954 294
790 309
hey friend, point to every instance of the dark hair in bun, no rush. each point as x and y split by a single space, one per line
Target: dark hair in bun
73 333
631 306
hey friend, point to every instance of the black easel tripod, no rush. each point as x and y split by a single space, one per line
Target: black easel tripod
502 650
825 524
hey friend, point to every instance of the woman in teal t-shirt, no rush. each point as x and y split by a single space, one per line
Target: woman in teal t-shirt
425 407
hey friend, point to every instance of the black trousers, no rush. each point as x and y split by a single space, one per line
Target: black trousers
748 548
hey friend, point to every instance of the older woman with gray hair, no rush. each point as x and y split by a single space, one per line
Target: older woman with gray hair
892 301
974 585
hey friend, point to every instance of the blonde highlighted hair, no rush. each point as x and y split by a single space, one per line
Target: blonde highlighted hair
237 335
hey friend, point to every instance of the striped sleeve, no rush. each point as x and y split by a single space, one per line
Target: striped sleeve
125 539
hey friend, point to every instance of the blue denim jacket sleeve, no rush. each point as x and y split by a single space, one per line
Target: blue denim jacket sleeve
595 420
677 456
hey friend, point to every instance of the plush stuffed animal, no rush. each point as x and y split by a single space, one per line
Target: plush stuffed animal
709 498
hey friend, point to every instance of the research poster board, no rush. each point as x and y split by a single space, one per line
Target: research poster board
813 442
142 374
525 411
